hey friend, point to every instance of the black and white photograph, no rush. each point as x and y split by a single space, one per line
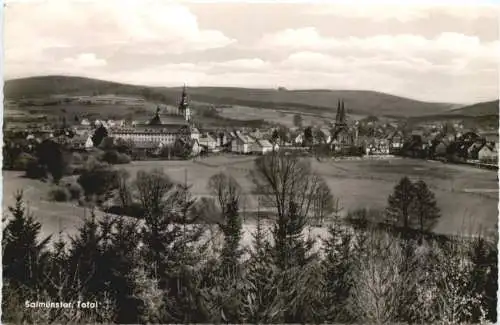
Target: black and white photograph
268 162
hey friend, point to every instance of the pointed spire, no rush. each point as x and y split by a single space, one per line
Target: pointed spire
342 114
337 117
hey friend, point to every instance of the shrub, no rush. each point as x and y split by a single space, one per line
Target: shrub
98 179
75 190
23 161
114 157
123 158
111 157
35 170
77 158
60 194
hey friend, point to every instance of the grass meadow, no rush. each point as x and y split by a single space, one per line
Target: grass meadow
467 197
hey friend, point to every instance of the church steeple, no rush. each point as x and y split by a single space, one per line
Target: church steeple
184 105
337 117
340 118
342 114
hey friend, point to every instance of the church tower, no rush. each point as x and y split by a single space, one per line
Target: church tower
340 119
184 109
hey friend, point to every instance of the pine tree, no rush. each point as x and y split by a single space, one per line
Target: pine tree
338 263
399 203
264 301
424 207
23 254
24 260
85 258
170 241
227 191
232 231
123 258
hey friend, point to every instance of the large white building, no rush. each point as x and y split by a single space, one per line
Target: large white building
161 131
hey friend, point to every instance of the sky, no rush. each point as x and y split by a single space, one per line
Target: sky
442 53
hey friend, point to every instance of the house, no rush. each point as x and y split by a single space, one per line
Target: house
208 142
241 143
262 147
81 142
327 135
440 149
488 154
377 147
473 150
298 139
85 122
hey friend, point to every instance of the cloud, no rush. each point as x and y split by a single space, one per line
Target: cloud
165 44
85 60
404 13
158 27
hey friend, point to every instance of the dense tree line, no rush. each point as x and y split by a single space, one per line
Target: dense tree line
166 268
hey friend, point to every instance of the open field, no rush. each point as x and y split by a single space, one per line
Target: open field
467 197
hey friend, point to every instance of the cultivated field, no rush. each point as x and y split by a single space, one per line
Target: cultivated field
468 197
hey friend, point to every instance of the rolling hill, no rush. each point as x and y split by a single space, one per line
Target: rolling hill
479 109
307 101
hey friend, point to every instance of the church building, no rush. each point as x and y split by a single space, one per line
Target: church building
161 131
343 137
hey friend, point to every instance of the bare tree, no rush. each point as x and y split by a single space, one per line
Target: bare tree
124 194
288 184
227 192
379 280
323 203
225 189
153 189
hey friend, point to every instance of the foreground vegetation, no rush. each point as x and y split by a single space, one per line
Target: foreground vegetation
162 268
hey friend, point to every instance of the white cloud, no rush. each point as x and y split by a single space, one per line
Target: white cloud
85 60
405 13
115 39
158 27
308 38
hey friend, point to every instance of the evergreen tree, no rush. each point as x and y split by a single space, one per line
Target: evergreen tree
308 136
85 258
424 207
264 302
171 247
399 204
99 134
23 255
227 191
52 156
232 230
338 264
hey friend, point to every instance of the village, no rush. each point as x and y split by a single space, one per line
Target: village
156 136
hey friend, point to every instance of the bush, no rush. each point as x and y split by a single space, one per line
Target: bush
75 190
23 161
123 158
60 194
35 170
98 179
114 157
77 158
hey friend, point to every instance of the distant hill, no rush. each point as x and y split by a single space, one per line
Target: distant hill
479 109
308 101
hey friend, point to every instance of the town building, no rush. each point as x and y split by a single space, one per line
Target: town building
488 154
263 147
208 142
241 143
343 136
160 131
